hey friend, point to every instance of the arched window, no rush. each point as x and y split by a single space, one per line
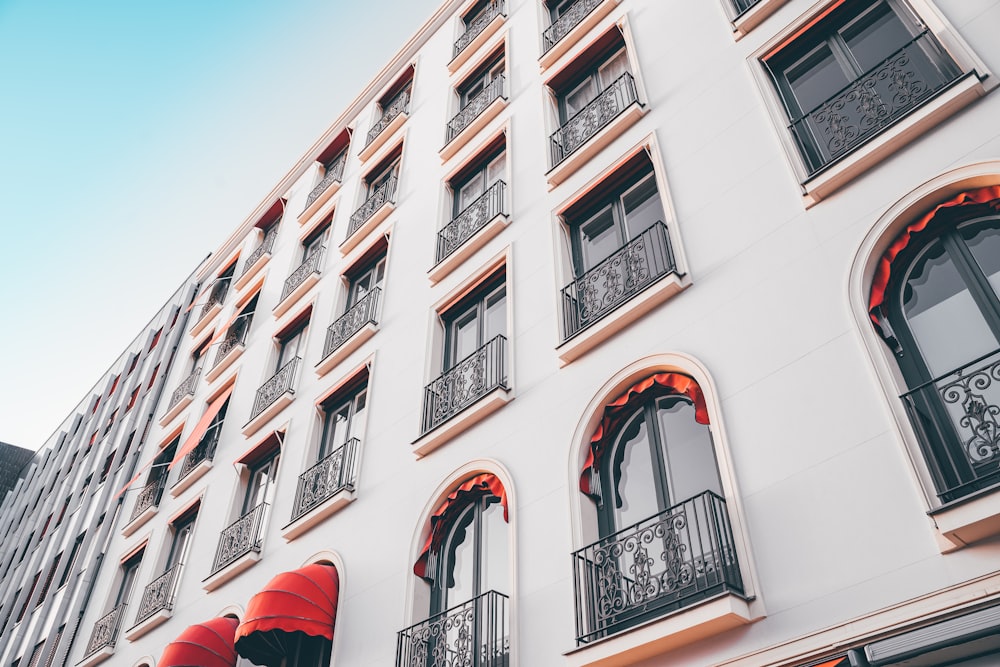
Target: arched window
665 539
936 301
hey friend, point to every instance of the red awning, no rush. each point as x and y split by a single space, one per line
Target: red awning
202 426
624 405
987 195
208 644
303 600
485 484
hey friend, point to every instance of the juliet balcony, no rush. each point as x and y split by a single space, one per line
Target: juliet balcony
468 231
273 396
146 504
323 489
182 396
576 21
376 208
300 281
103 637
239 547
157 603
231 347
349 331
473 634
198 461
394 113
478 29
213 304
333 175
474 116
256 260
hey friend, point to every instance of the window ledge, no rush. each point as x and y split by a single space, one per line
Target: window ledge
97 657
461 139
317 204
330 361
477 43
656 638
616 320
440 270
269 413
485 405
754 16
251 271
157 619
230 571
135 524
172 413
962 93
205 319
359 235
185 482
318 514
218 369
969 520
368 151
558 49
293 297
596 143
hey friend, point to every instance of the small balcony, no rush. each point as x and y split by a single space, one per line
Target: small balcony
350 330
393 114
483 219
479 380
273 396
679 557
743 6
375 209
477 31
197 462
157 603
239 547
230 348
324 488
473 634
258 258
474 116
146 504
212 305
576 21
334 175
885 94
300 281
103 637
182 396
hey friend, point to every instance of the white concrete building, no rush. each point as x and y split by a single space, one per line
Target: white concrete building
599 332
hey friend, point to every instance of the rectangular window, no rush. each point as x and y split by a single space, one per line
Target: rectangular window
475 321
362 283
180 541
260 487
291 346
126 582
475 182
480 80
343 419
156 339
48 579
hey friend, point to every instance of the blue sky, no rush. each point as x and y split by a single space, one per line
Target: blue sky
134 136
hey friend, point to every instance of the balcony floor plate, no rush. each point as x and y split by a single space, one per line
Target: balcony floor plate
469 132
348 244
176 410
205 320
475 45
549 58
317 204
244 562
218 369
368 151
185 482
473 413
157 619
249 274
135 524
268 413
97 657
440 270
590 148
286 304
318 514
331 360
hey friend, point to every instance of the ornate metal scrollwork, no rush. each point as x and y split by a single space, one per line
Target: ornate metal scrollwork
334 172
264 248
476 26
383 194
357 316
185 388
475 216
476 106
240 538
977 394
310 265
473 634
325 479
158 595
148 497
465 383
397 105
569 20
608 105
279 384
105 631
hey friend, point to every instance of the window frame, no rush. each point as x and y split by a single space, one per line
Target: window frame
477 305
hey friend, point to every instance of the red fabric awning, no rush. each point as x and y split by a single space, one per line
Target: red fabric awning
208 644
472 489
201 427
624 405
303 600
988 195
841 662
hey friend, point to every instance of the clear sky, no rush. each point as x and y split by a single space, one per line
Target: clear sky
134 136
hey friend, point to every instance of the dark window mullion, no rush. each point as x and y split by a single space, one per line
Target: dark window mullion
656 444
979 285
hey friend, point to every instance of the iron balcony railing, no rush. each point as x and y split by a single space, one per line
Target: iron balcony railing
672 559
876 100
185 388
474 217
265 247
473 634
628 271
333 174
397 105
279 384
955 416
149 496
105 632
743 6
475 107
309 266
475 27
235 336
465 383
158 595
243 536
204 451
570 18
591 119
335 473
385 193
218 294
364 312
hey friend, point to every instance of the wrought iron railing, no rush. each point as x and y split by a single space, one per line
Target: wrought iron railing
632 268
309 266
877 99
185 388
397 105
204 451
218 294
474 217
956 419
475 27
277 385
591 119
235 336
743 6
571 18
672 559
334 172
385 193
324 480
243 536
265 247
475 106
158 595
105 632
465 383
473 634
365 311
149 496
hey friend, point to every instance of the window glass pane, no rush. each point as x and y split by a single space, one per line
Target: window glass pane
691 467
984 242
494 549
459 585
946 323
337 423
580 96
599 238
470 192
358 418
496 317
875 36
614 68
496 169
642 207
634 479
465 336
815 79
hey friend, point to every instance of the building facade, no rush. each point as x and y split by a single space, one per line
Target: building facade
12 462
597 332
